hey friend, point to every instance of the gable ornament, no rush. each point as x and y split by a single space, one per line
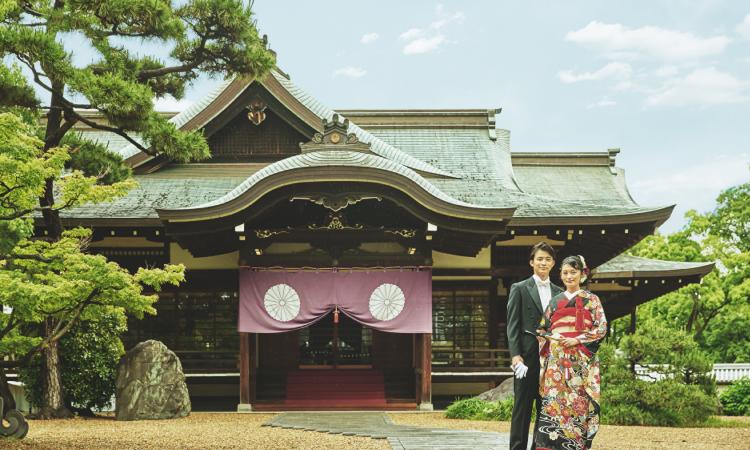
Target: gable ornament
256 111
335 136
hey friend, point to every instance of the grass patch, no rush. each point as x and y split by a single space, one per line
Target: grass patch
723 422
476 409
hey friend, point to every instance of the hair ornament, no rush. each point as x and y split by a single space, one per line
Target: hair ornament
584 270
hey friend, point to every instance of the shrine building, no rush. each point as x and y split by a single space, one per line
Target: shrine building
359 259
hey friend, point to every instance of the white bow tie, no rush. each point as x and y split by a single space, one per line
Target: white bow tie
544 283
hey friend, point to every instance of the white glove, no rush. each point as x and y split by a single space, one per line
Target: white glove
520 370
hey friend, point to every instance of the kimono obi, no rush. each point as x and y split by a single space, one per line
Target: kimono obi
571 321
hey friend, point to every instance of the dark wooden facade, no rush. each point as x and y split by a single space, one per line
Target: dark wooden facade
369 210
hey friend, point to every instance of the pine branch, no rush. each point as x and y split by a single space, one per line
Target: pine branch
26 6
114 130
35 73
200 57
60 132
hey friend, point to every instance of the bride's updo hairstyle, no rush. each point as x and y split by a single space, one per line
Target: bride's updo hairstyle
578 263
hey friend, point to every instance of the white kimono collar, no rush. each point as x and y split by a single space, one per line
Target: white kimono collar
570 296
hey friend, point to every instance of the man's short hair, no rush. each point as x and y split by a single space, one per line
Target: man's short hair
541 246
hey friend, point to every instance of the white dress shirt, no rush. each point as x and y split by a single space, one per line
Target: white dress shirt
545 292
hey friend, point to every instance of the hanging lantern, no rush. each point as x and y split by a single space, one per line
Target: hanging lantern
336 315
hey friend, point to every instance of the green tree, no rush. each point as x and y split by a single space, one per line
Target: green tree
89 355
715 311
214 37
53 284
683 392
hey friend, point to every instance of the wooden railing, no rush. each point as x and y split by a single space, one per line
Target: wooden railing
211 361
471 357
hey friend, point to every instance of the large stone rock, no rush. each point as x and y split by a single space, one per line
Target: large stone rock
150 384
501 392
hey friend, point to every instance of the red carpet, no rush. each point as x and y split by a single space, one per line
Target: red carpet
335 388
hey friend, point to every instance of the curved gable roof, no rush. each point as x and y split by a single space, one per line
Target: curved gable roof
203 111
290 171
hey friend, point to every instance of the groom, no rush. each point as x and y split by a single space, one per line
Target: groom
527 301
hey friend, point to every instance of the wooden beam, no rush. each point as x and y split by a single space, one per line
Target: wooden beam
425 400
245 391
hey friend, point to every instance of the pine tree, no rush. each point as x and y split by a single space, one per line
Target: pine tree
213 37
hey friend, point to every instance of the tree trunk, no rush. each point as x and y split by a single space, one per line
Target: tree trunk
54 123
9 401
53 405
693 313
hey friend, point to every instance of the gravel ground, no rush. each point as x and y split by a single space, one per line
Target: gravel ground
198 431
229 430
612 437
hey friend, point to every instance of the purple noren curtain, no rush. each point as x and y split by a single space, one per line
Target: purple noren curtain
392 301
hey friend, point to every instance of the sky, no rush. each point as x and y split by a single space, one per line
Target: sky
666 81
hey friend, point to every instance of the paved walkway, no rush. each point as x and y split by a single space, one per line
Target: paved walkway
377 425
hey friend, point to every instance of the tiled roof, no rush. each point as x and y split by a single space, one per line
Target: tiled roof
114 142
333 158
633 266
587 184
157 192
378 146
463 166
489 178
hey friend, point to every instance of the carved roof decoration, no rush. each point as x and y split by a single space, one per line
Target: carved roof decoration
335 136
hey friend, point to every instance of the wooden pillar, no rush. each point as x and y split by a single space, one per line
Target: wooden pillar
425 397
245 371
417 363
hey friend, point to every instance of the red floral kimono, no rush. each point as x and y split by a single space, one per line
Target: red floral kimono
569 382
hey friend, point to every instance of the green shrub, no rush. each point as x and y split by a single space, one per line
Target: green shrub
735 401
686 396
476 409
89 355
657 403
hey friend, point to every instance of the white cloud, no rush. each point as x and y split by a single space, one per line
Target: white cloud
666 71
743 29
615 70
411 33
620 42
419 40
350 72
424 45
171 104
445 18
677 184
702 87
369 38
603 103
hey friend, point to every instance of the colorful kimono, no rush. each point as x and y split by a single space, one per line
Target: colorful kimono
569 382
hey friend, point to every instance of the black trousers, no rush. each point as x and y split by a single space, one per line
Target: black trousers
526 392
